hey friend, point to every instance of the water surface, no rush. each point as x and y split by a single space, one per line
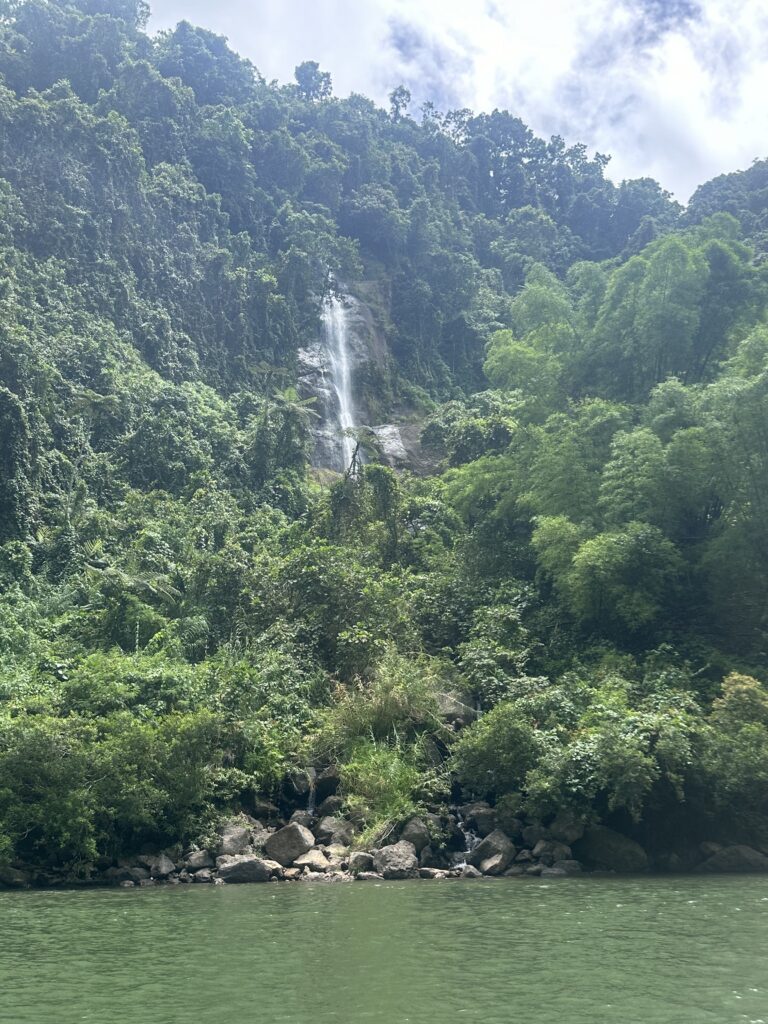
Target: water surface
568 951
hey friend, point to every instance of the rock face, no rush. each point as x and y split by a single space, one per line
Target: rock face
397 861
739 859
241 867
496 845
288 843
416 832
606 850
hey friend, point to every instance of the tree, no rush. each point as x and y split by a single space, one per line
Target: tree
313 84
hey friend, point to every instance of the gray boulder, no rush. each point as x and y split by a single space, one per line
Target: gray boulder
327 782
397 861
737 859
469 871
533 833
160 866
494 844
302 818
415 831
197 859
13 878
568 866
288 843
360 861
334 830
312 860
242 867
369 876
203 875
495 865
235 838
605 850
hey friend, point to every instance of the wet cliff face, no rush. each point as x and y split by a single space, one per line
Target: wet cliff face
349 344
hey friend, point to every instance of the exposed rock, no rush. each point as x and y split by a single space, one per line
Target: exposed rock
495 865
568 865
292 874
276 870
13 878
197 859
235 838
514 871
330 806
566 827
432 858
525 856
203 875
360 861
415 831
397 861
145 882
242 867
509 824
369 876
549 850
479 816
264 810
432 873
288 843
495 843
302 818
739 859
334 830
327 782
313 860
606 850
468 871
534 869
549 872
391 445
126 885
160 866
455 710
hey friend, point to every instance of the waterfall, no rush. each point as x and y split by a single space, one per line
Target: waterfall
471 840
334 318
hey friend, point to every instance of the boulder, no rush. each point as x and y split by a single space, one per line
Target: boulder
548 872
265 810
605 850
276 870
13 878
369 876
432 858
288 843
432 873
566 827
292 874
197 859
235 838
242 867
514 871
415 831
334 830
160 866
497 842
739 859
312 860
330 807
397 861
468 871
709 849
203 875
479 816
302 818
549 850
495 865
360 861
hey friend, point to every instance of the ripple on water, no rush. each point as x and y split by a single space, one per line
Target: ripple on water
581 951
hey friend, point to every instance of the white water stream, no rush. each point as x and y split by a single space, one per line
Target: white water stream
334 318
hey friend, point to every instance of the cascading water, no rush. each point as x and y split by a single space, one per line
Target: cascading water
334 318
471 840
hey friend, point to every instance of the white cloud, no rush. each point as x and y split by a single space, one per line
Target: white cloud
673 89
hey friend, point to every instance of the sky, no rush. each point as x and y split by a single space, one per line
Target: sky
676 90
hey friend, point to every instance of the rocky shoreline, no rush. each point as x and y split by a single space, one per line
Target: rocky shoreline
464 842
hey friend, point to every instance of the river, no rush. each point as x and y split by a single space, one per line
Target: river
656 950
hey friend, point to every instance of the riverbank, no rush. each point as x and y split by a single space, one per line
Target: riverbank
466 842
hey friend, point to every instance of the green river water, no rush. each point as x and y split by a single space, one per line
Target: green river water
676 950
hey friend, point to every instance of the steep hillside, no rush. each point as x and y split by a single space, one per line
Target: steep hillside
189 612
